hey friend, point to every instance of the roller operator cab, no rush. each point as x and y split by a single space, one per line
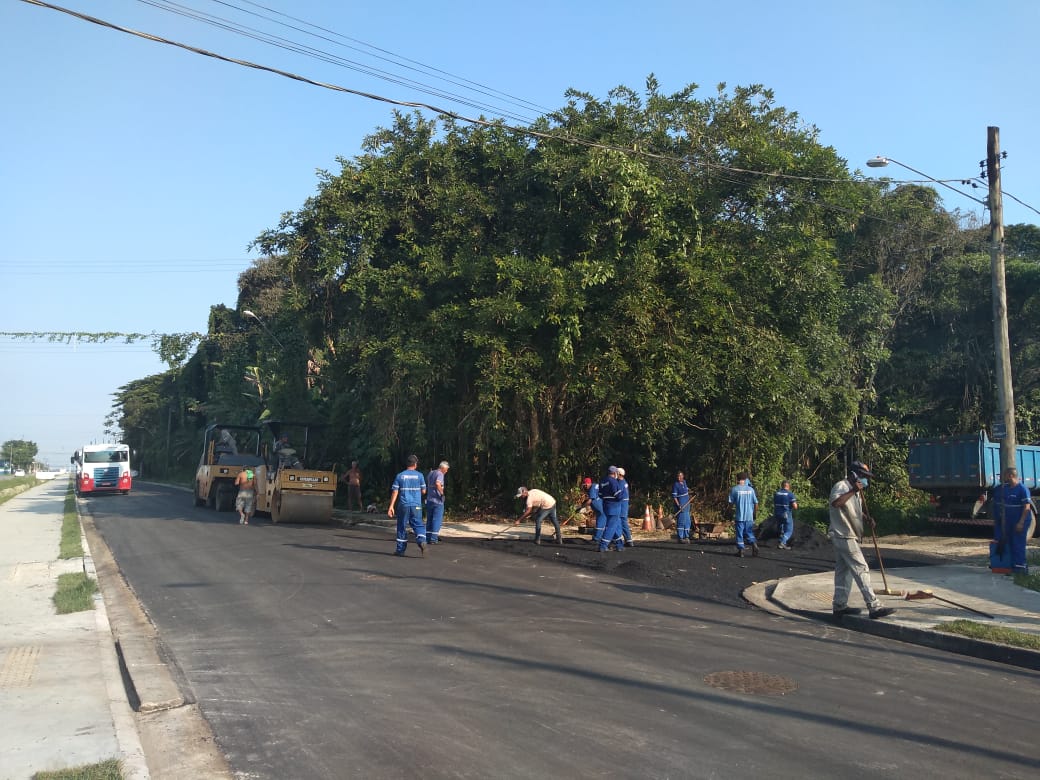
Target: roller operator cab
227 450
292 484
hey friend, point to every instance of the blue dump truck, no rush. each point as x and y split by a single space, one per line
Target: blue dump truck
960 472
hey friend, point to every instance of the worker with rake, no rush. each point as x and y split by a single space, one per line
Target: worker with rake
846 532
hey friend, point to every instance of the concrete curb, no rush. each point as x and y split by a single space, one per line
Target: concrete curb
165 720
133 763
761 595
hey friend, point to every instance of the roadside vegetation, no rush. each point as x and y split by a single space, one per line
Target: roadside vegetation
12 486
76 590
990 633
1031 581
106 770
71 535
75 593
533 310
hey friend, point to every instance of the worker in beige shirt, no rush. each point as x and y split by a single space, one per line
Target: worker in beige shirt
542 505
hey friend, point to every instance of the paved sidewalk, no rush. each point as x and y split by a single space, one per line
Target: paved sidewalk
61 693
979 596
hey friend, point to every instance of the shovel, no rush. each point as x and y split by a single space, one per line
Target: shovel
927 594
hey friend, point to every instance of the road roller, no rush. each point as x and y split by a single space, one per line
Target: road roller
287 488
226 451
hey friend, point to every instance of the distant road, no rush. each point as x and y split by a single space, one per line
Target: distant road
315 653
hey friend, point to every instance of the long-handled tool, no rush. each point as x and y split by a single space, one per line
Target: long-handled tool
927 594
886 591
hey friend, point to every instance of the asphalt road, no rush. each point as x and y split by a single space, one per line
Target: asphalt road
315 653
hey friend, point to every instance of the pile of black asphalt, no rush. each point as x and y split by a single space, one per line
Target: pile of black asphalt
705 569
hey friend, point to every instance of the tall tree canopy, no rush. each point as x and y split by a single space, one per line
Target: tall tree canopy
662 281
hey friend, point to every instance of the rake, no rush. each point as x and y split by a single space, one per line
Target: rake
927 594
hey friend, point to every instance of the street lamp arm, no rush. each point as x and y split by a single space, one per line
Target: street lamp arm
263 325
881 162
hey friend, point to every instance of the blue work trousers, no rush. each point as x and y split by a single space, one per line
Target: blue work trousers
1016 542
682 523
612 533
601 520
785 526
626 529
745 533
409 516
434 520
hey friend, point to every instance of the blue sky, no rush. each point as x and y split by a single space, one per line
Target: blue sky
134 175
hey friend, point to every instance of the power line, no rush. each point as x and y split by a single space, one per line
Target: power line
401 59
531 132
320 54
716 168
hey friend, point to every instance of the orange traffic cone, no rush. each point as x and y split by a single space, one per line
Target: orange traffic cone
648 519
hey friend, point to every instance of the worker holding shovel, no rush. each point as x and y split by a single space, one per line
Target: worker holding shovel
1011 509
681 498
846 532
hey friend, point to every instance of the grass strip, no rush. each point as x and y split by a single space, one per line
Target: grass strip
71 536
75 593
106 770
998 634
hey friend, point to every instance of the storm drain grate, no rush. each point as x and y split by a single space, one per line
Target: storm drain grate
18 667
751 682
822 596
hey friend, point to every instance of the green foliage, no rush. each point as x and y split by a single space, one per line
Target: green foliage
75 593
659 280
71 545
112 769
990 633
20 454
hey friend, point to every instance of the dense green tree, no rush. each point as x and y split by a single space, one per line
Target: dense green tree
20 453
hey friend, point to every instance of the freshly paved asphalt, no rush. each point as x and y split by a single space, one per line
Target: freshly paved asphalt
56 724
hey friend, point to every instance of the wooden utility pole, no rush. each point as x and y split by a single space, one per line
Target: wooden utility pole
1005 392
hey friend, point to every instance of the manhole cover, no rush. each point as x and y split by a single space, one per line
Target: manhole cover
751 682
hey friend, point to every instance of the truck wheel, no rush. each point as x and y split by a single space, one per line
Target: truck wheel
199 500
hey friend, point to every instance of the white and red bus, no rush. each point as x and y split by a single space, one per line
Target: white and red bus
102 468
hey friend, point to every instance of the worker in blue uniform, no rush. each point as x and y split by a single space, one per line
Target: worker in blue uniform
784 502
610 490
1011 524
625 532
681 498
745 502
407 493
596 504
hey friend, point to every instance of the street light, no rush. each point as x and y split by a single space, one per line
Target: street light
881 162
1002 344
263 325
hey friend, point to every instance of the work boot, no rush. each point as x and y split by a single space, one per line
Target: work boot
880 612
754 550
422 549
537 540
559 539
740 552
847 611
